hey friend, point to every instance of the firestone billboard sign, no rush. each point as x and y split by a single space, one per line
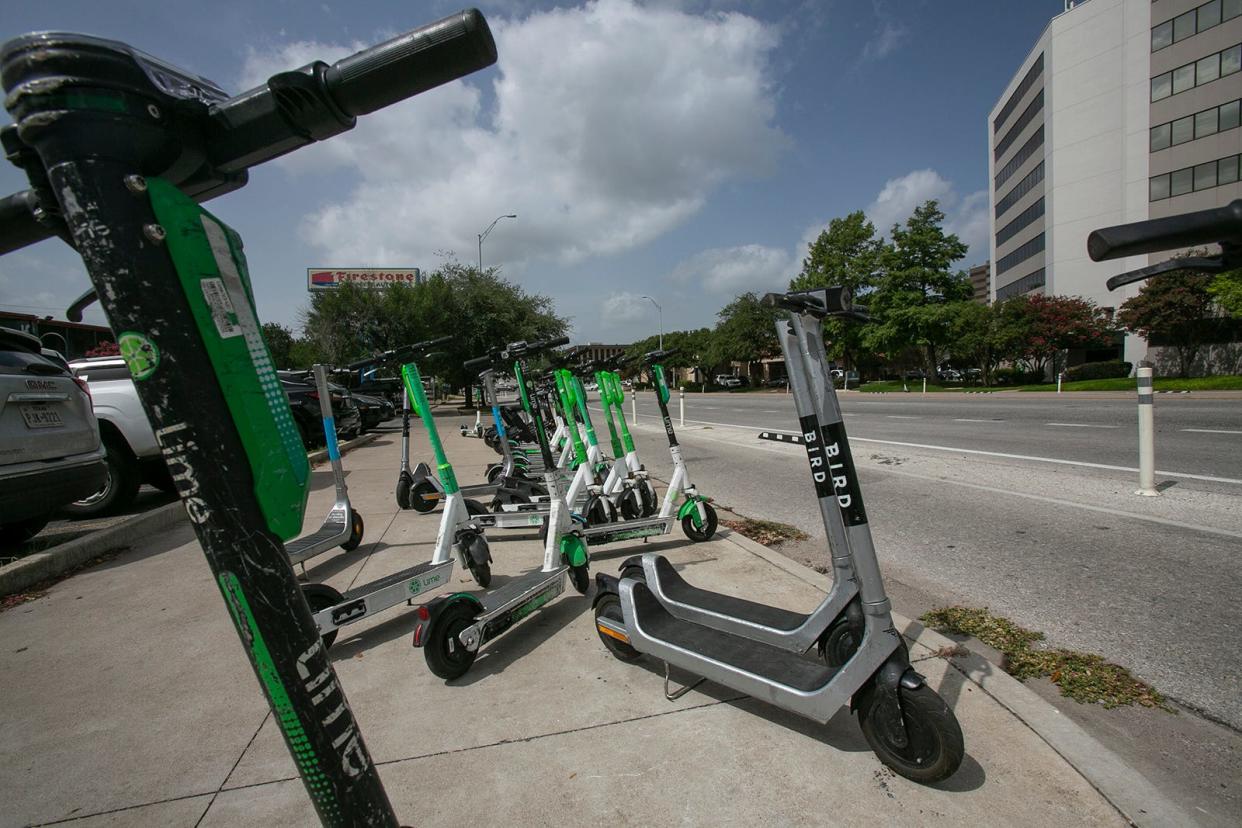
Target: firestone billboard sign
363 277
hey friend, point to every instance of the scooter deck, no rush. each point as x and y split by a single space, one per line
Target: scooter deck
319 541
676 588
391 580
497 599
769 663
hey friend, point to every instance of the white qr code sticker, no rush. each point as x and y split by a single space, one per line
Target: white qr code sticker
222 312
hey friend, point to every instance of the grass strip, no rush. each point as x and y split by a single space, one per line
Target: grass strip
1083 677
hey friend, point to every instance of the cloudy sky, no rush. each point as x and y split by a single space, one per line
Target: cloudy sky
687 151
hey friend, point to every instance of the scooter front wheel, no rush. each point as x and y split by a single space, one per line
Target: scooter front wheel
609 606
933 750
356 530
404 484
651 502
631 504
446 656
704 531
580 577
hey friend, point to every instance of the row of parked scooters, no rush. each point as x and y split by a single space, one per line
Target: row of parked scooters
554 476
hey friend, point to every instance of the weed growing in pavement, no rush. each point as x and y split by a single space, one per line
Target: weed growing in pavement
1083 677
766 532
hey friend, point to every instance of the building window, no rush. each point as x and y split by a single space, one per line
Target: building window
1024 285
1020 254
1227 171
1037 69
1162 36
1204 70
1161 137
1190 179
1229 113
1199 125
1023 220
1025 118
1197 20
1020 157
1158 188
1020 189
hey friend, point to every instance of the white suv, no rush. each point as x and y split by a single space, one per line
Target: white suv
50 451
133 455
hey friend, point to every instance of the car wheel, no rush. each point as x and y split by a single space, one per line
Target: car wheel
15 534
119 489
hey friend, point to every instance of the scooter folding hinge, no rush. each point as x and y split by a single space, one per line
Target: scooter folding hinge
678 693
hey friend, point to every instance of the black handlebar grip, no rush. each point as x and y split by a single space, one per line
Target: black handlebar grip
18 227
1201 227
363 363
477 363
412 63
430 343
547 343
656 356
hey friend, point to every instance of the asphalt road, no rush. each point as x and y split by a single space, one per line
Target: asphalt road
1194 436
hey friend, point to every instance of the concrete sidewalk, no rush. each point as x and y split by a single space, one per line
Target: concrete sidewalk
128 701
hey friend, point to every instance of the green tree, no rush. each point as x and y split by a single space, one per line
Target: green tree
745 333
279 341
1226 289
1175 307
480 310
846 254
983 336
1051 325
691 350
912 304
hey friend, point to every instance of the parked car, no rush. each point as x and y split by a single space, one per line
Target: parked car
728 381
133 454
50 450
304 402
372 410
914 374
950 375
779 382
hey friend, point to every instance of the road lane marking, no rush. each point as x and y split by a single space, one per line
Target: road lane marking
1211 431
903 417
1081 425
1181 475
971 420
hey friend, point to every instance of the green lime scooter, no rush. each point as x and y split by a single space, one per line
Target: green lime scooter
451 629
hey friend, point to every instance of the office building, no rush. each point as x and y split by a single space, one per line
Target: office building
1123 110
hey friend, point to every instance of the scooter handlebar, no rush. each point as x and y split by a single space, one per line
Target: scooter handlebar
1170 233
656 356
411 63
399 353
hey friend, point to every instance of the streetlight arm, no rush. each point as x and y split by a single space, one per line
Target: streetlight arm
485 233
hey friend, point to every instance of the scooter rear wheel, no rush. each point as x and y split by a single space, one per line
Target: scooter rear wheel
424 497
609 606
934 747
447 657
319 597
698 534
356 530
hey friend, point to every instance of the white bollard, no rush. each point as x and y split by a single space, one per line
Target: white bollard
1059 375
924 385
681 403
1147 436
634 406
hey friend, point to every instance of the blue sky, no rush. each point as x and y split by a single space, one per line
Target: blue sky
683 150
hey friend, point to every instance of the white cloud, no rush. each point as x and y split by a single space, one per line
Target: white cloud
612 123
728 271
625 307
890 34
966 216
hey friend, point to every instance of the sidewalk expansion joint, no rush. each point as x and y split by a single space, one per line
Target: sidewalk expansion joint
524 740
233 769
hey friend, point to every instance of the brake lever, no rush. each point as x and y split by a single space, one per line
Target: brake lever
1200 264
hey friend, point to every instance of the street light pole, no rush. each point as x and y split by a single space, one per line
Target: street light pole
484 234
660 312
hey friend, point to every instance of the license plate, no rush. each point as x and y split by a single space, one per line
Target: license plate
41 415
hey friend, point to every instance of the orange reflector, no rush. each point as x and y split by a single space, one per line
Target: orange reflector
611 633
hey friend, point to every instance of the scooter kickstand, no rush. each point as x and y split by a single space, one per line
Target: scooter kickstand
677 694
